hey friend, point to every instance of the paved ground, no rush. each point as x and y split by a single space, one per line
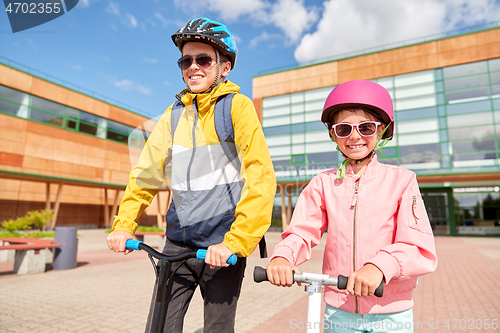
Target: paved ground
110 292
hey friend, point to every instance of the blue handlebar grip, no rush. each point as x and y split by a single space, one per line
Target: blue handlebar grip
201 254
132 244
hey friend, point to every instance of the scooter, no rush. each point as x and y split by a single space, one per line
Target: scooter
313 287
163 271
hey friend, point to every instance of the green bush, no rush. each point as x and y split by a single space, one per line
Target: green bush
33 220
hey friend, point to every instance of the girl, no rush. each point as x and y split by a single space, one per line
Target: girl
378 228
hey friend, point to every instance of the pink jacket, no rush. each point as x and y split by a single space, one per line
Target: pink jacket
379 218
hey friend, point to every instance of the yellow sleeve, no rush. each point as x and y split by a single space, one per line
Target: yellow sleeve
253 211
146 177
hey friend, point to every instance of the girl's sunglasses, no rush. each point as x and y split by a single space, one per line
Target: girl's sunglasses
366 129
203 60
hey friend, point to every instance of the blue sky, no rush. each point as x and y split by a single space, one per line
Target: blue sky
123 50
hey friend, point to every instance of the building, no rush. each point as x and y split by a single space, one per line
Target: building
65 150
446 95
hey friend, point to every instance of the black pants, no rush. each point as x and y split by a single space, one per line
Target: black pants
220 289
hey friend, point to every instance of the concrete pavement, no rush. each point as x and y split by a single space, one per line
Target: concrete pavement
110 292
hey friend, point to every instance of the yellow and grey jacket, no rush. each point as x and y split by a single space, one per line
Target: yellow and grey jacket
212 201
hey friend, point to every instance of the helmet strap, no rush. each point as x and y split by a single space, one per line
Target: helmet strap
214 84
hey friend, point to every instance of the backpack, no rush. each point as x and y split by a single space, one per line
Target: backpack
225 133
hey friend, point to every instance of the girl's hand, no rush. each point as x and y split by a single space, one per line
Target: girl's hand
279 272
117 239
364 281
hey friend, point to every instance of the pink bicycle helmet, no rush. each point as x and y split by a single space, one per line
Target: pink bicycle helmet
360 94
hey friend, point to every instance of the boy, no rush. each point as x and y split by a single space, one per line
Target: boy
214 206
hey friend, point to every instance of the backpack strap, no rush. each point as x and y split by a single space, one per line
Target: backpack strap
224 128
175 116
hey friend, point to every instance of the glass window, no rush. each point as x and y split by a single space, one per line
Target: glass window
276 121
315 105
413 78
269 102
428 161
276 111
297 97
73 113
417 113
428 149
298 149
297 128
473 146
298 108
280 150
414 103
388 152
298 118
12 95
298 159
315 125
313 116
392 161
120 137
416 90
319 147
418 138
482 118
321 157
46 117
466 82
278 140
276 130
494 78
467 95
298 138
317 136
317 94
46 105
14 108
471 132
417 125
89 118
281 161
494 64
386 82
468 107
466 69
87 128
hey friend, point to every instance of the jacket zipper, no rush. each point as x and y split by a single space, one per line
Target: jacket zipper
188 171
414 208
355 204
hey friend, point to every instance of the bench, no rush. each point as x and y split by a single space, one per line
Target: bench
30 255
161 242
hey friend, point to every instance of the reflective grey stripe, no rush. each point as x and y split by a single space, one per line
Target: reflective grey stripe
197 206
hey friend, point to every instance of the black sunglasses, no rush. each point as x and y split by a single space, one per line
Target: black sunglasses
203 60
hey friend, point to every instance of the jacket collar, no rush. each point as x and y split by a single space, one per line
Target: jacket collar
372 168
205 101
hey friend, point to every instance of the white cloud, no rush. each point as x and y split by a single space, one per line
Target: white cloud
354 25
162 19
128 85
113 8
293 18
85 3
131 20
227 10
290 16
76 67
150 60
264 37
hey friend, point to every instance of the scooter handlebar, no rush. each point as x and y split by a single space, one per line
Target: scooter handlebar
260 275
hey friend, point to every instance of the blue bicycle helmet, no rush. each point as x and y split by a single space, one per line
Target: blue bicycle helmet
207 31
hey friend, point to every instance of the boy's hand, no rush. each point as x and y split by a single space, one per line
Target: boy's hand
364 281
116 241
217 255
279 272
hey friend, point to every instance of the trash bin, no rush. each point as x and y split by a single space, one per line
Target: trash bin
65 254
